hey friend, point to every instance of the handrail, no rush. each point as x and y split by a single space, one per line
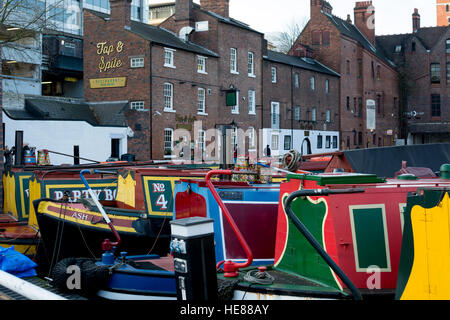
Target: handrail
106 245
316 245
230 268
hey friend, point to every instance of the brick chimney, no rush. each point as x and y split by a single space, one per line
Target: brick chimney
416 20
319 6
365 19
120 12
221 7
183 11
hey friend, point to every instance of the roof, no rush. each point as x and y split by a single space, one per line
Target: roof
231 21
160 36
110 114
428 37
387 161
303 63
351 31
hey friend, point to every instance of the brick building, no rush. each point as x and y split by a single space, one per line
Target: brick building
164 79
369 92
423 61
443 12
301 104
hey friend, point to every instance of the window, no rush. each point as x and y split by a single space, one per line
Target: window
326 38
168 96
201 101
297 113
360 139
327 86
328 142
373 70
137 62
448 72
251 138
168 58
360 68
398 48
137 105
201 143
168 142
335 142
319 142
251 102
435 105
435 73
314 115
378 72
347 68
274 75
315 35
251 64
379 103
348 103
313 83
360 107
201 64
275 115
328 116
233 60
115 148
287 142
235 108
413 47
297 80
447 45
274 142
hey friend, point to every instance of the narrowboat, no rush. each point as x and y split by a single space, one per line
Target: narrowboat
140 208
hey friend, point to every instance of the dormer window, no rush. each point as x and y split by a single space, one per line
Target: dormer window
398 49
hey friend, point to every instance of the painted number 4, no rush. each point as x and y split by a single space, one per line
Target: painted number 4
161 201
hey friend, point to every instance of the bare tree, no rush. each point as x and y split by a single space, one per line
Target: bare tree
284 40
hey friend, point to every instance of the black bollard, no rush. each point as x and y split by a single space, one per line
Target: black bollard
194 259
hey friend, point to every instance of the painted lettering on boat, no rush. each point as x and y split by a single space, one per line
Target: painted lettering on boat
75 195
80 216
161 200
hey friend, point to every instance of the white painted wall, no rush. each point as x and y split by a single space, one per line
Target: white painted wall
61 136
299 135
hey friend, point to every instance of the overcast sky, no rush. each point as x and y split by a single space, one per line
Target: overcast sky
391 16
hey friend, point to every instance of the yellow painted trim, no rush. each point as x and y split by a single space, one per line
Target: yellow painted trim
43 208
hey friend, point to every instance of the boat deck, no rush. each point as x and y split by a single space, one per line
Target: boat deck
7 294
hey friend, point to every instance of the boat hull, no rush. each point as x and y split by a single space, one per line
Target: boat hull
74 230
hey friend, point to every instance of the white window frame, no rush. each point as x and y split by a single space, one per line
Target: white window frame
314 115
233 61
251 102
168 98
137 105
201 64
297 80
275 115
235 108
313 83
201 101
327 86
136 62
166 130
274 142
251 138
251 64
297 113
201 140
328 116
169 58
274 74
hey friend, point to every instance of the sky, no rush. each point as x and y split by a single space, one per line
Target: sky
267 16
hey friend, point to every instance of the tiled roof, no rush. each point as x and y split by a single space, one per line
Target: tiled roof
110 114
304 63
354 33
161 36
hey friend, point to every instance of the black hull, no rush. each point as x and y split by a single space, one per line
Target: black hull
63 239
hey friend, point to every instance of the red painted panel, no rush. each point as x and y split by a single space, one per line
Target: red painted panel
189 204
258 223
